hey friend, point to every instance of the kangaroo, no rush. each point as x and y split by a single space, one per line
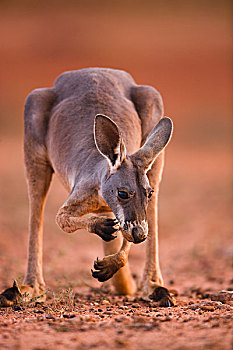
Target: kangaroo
104 136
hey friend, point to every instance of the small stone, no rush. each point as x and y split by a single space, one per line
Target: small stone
207 308
50 317
16 308
123 307
68 315
39 312
215 325
166 319
223 296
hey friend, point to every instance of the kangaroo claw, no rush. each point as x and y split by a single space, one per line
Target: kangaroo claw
104 269
162 296
106 229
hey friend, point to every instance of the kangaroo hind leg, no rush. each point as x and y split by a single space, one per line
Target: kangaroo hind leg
39 177
38 173
152 281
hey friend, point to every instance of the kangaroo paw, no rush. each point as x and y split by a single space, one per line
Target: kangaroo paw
105 269
106 228
162 296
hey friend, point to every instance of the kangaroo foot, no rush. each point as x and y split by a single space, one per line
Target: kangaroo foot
19 294
106 268
162 296
10 296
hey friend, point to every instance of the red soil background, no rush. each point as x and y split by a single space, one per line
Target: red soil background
184 49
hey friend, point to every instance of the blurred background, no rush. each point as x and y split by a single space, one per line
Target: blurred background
184 49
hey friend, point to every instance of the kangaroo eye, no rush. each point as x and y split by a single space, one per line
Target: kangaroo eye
123 194
150 194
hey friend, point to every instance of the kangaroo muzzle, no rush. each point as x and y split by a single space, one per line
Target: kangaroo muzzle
138 234
135 232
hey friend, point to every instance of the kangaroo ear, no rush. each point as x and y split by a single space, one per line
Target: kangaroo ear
109 141
155 143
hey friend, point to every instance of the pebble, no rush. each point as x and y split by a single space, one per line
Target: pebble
224 296
68 315
205 305
16 308
207 308
215 325
87 318
166 319
39 312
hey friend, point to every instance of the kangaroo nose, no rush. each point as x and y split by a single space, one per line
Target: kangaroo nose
138 234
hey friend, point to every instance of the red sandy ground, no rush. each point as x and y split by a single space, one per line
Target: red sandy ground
190 57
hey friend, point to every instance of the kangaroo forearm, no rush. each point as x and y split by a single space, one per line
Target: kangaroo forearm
124 252
102 226
120 259
73 221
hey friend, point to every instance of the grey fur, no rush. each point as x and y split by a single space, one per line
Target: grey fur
59 137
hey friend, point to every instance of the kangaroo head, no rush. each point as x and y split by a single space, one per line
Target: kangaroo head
125 187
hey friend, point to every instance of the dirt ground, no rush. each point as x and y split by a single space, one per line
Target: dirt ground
186 54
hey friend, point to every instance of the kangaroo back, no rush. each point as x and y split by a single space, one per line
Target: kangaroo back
81 95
